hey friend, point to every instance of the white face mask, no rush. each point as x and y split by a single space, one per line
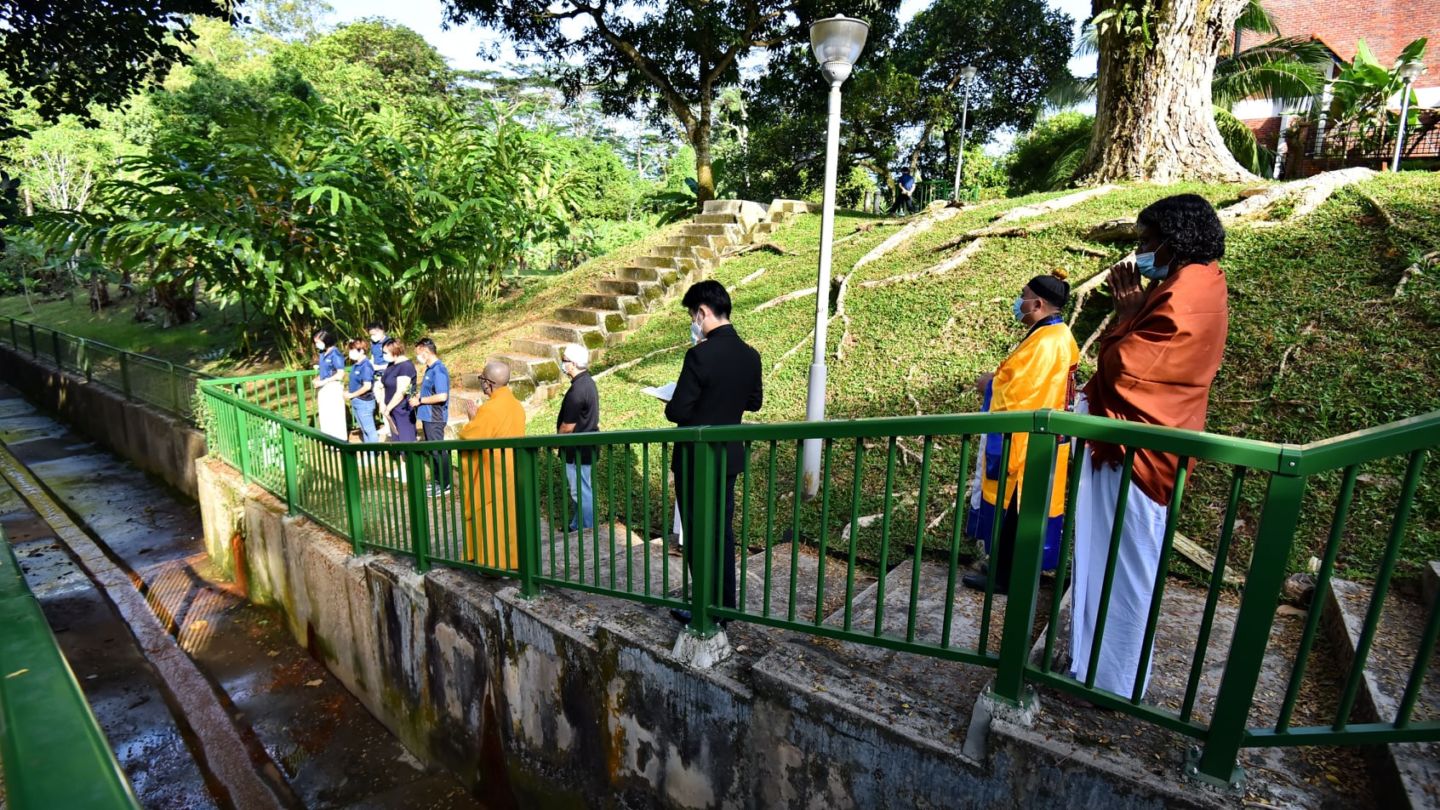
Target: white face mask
697 332
376 336
356 357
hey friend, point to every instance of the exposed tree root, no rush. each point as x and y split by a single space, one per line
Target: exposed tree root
787 297
1309 194
1416 269
1114 230
637 361
753 276
1057 204
754 246
1094 253
994 230
1099 330
807 340
934 270
915 228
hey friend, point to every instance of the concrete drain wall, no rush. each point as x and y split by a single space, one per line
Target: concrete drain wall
562 701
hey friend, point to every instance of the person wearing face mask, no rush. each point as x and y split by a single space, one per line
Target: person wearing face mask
329 393
378 337
361 395
395 402
579 413
432 410
719 381
1038 373
1155 366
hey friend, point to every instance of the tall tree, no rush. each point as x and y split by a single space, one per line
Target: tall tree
657 57
1154 119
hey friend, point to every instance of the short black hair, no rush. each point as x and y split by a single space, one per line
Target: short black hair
325 337
428 345
1189 224
374 325
712 294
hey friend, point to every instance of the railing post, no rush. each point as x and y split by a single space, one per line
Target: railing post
242 438
83 358
703 520
1034 512
125 373
292 478
302 392
14 335
1273 541
55 345
415 492
527 517
34 347
174 387
355 517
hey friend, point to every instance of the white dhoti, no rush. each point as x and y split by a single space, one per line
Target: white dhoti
330 402
1136 566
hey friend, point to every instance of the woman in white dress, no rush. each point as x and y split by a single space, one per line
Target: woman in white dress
329 387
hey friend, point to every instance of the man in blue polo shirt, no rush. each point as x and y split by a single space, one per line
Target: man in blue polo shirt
432 406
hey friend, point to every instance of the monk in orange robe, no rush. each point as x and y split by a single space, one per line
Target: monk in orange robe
490 537
1155 366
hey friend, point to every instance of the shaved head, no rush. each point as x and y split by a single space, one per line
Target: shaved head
497 372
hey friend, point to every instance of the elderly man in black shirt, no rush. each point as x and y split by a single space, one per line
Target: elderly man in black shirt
720 380
579 413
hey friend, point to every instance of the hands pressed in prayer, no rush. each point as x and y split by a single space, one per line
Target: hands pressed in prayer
471 406
1125 289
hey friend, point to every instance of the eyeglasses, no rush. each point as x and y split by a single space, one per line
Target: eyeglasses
487 381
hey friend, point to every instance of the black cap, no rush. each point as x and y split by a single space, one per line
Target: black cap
1052 290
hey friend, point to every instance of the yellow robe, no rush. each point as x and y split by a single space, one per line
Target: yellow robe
1039 373
489 477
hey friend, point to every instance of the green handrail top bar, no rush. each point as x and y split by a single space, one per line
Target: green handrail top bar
1405 436
52 751
1225 449
102 344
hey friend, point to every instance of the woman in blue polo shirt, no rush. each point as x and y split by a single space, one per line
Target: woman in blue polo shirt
362 390
329 388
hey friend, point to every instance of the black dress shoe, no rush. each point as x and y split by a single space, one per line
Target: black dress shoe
979 581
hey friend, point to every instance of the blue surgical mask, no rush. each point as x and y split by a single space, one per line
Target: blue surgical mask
1015 308
1145 266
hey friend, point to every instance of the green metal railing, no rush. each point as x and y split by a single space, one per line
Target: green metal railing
140 377
882 480
52 751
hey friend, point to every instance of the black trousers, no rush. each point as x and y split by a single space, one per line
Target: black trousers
439 462
1002 551
724 564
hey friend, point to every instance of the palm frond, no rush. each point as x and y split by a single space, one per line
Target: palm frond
1287 68
1256 20
1240 140
1072 91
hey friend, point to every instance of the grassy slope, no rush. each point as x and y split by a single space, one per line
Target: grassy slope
1324 284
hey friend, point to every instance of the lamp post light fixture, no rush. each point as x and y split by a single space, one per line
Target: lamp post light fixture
968 74
1409 72
837 42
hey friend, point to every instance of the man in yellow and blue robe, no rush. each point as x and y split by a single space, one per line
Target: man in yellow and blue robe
1038 373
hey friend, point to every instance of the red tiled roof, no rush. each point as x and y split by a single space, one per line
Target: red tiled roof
1387 26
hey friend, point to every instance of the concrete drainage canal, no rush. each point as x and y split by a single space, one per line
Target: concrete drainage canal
205 698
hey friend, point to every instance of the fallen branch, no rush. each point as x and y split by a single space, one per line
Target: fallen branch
786 298
1204 560
934 270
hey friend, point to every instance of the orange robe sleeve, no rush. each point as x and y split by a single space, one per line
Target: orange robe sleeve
1157 368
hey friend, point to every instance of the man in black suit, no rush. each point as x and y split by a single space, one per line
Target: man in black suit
720 380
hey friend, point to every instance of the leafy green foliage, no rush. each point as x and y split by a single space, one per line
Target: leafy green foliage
1048 156
1362 91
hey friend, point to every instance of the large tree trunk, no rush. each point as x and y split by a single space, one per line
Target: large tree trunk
700 139
1153 116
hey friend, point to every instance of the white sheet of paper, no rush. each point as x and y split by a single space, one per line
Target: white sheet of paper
664 393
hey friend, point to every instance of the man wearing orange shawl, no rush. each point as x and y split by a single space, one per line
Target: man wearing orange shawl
1155 366
490 474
